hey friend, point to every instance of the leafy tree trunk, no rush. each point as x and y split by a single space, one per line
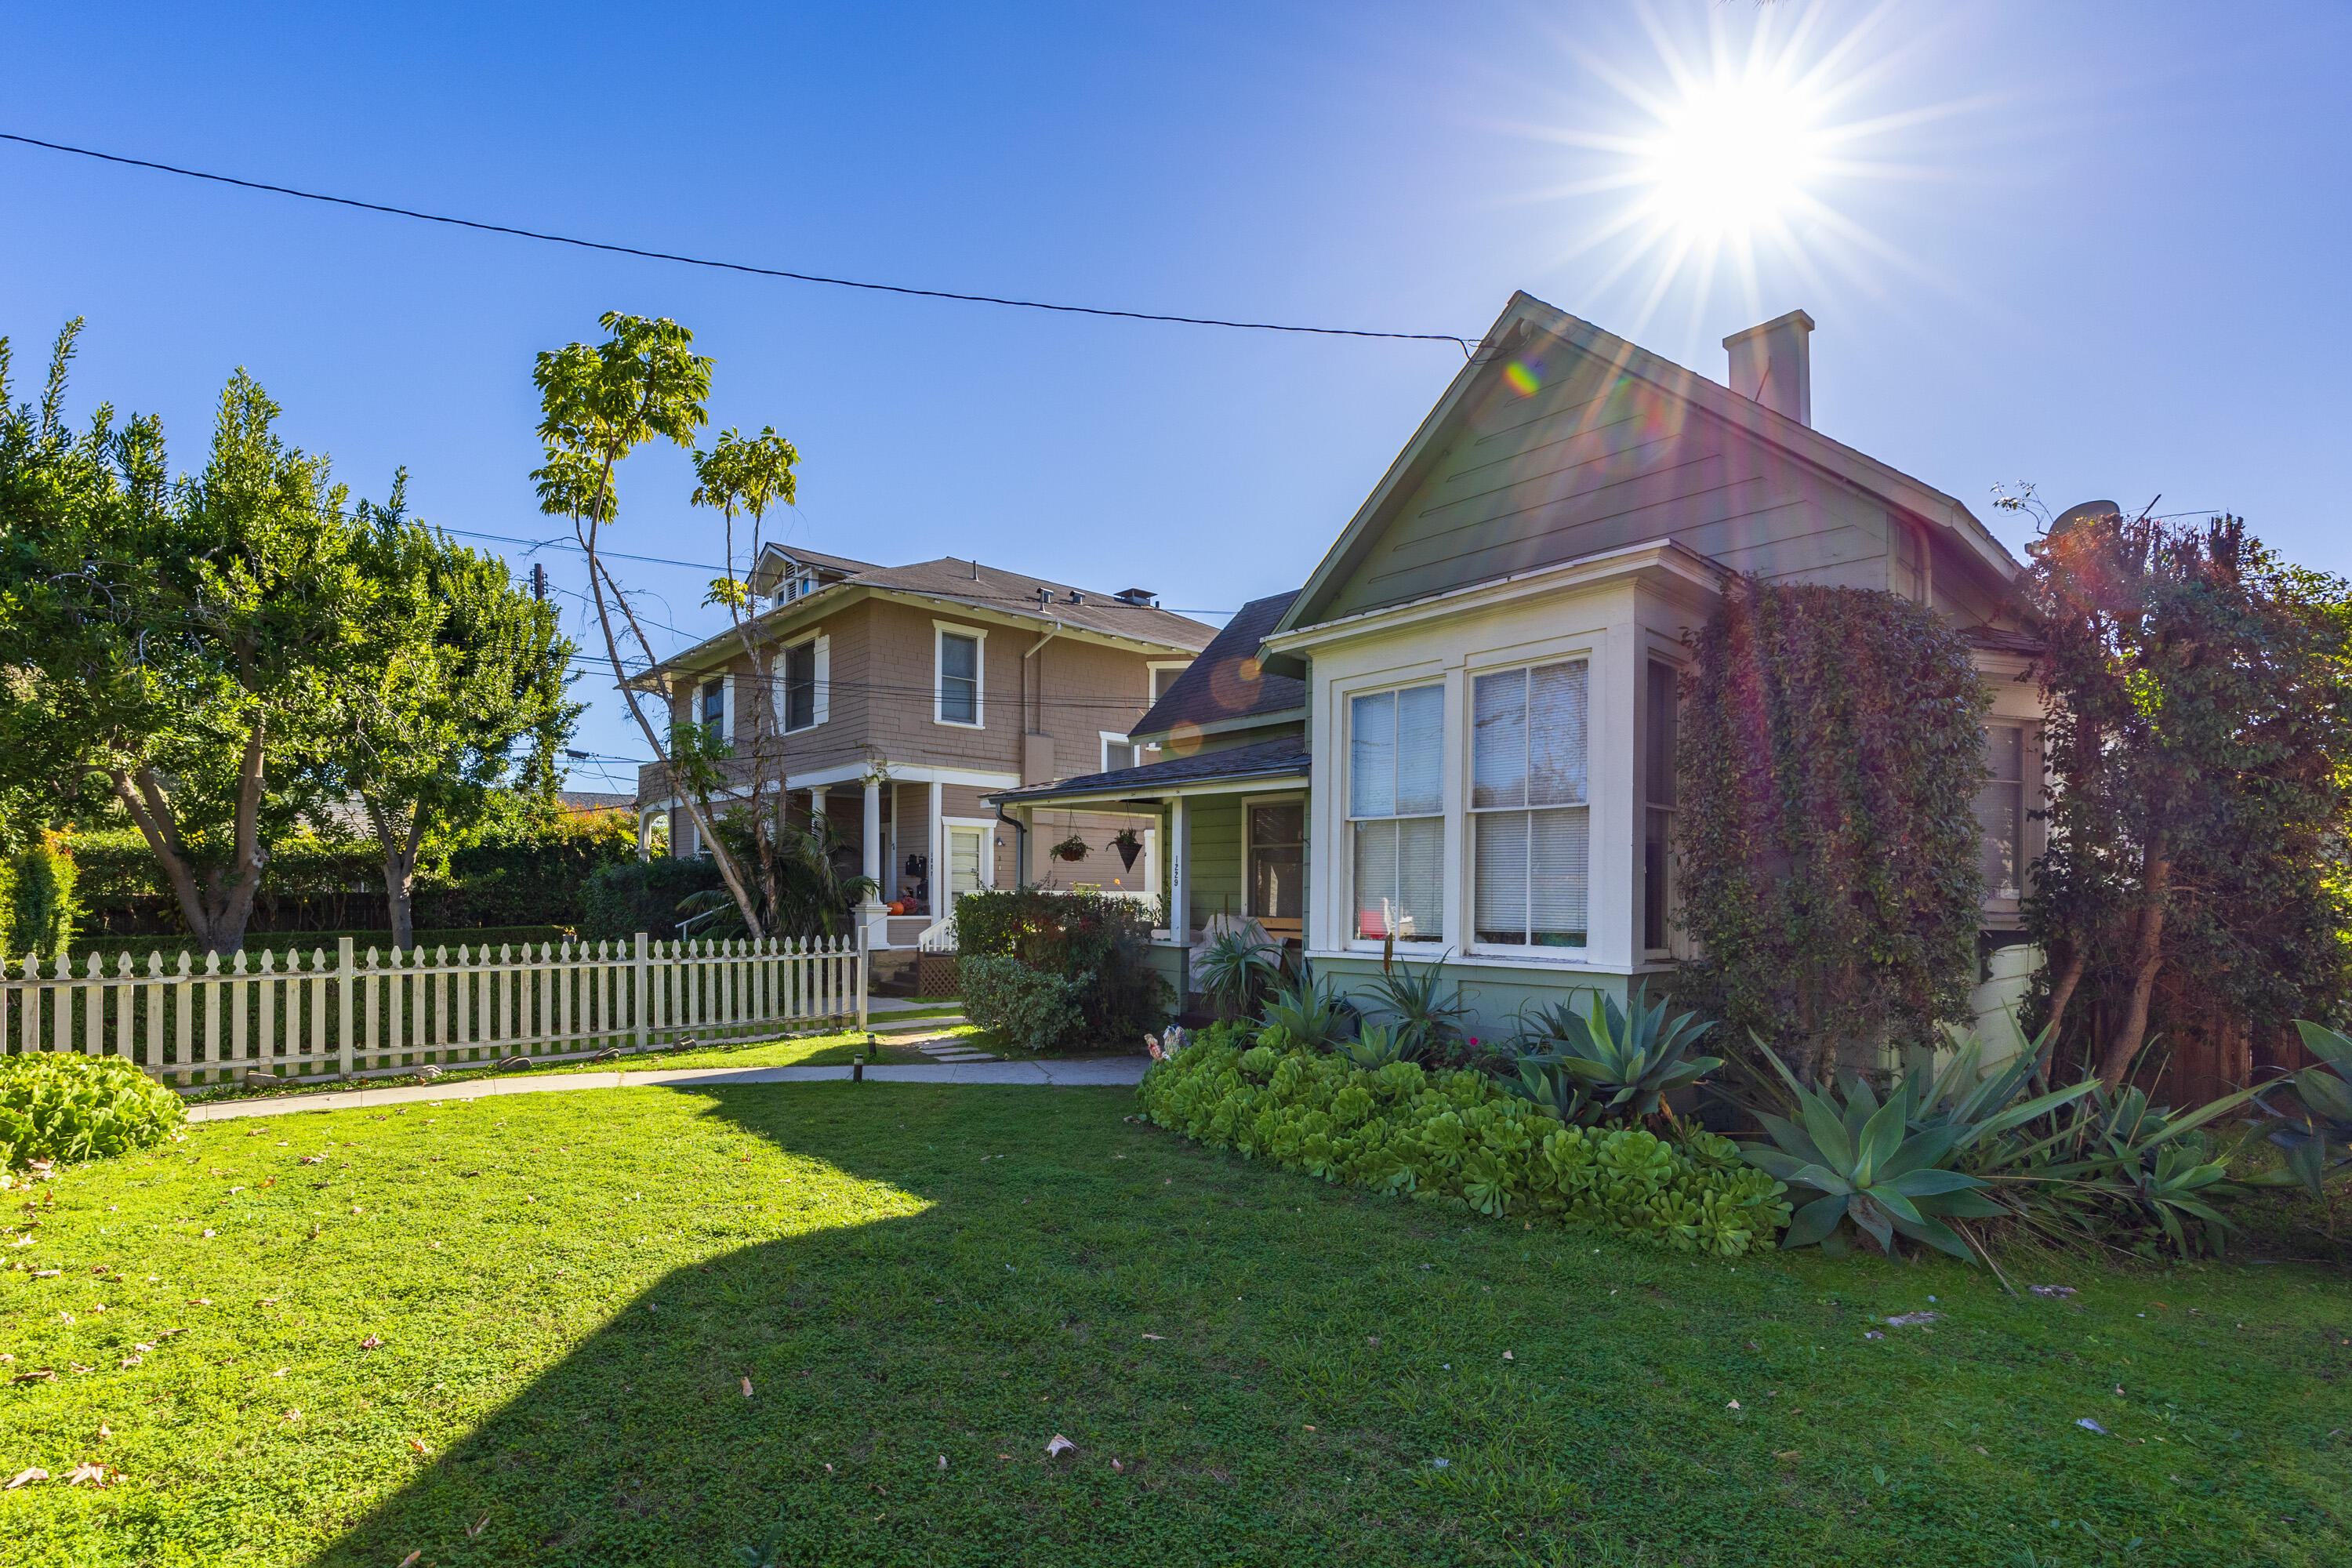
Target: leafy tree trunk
400 854
2147 957
217 910
2061 991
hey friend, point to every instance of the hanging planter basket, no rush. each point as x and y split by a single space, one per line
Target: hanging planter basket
1071 849
1128 847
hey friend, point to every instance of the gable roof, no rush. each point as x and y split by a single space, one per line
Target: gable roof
1526 318
767 568
1228 681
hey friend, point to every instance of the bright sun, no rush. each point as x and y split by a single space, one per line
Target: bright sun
1731 156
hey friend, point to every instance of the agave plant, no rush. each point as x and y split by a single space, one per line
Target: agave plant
1310 1013
1554 1092
1378 1045
1235 969
2114 1158
2324 1124
1871 1168
1627 1059
1419 1008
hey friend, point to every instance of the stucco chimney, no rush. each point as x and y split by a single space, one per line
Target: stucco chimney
1773 364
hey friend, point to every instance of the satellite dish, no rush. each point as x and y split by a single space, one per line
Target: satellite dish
2085 513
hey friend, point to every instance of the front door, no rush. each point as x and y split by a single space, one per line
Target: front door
965 847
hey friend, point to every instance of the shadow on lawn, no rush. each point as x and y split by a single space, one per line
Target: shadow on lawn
641 1446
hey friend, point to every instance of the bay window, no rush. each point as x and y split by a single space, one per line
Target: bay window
1529 814
1396 806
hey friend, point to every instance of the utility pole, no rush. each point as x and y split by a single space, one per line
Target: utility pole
538 581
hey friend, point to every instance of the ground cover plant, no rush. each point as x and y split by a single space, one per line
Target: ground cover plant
521 1331
61 1107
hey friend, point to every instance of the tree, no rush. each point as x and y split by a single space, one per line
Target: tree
598 404
458 668
2199 737
170 643
751 475
1831 750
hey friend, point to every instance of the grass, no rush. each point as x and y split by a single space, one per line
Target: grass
572 1290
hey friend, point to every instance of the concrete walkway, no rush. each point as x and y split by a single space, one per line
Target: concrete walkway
1099 1072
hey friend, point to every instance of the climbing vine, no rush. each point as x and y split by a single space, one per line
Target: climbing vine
1831 748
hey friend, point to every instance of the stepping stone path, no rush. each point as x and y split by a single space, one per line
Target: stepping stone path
950 1048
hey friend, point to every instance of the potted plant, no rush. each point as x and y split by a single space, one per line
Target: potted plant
1129 844
1071 849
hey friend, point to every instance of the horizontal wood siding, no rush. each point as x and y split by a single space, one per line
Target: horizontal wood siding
1596 460
1213 878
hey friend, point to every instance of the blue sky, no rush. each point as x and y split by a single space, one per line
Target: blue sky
2098 247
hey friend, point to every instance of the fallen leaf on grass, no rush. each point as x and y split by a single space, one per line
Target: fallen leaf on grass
77 1366
370 1342
45 1375
1733 1406
418 1444
85 1471
202 1301
1506 1355
26 1476
2087 1425
1787 1454
1874 1334
943 1461
1059 1445
747 1388
46 1273
130 1360
476 1529
313 1160
410 1560
2051 1289
1155 1336
1906 1320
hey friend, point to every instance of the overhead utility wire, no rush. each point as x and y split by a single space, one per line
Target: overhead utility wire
1461 343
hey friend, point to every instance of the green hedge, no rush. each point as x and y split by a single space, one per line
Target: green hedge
1455 1138
57 1106
1100 945
139 947
634 895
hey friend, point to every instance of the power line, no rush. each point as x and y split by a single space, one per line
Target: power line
1462 343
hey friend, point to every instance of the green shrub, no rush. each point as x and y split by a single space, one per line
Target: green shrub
1454 1138
40 897
1024 1008
1101 945
619 900
58 1106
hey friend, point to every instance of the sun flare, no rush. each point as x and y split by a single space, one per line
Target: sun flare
1730 156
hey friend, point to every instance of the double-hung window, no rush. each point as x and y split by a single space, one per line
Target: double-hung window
2000 811
1396 810
713 706
959 678
1529 814
799 671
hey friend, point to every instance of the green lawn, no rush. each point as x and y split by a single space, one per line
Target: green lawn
572 1290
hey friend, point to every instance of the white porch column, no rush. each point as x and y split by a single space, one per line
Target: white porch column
870 839
1180 861
937 837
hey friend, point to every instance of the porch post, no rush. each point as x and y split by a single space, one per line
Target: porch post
870 838
938 840
1180 863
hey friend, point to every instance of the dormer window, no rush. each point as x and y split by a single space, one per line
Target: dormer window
799 586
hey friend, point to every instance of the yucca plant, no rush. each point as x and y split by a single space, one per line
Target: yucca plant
1626 1059
1419 1004
1235 970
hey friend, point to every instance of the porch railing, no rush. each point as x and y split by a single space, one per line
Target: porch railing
190 1023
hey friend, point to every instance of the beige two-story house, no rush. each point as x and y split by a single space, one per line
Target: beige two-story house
899 697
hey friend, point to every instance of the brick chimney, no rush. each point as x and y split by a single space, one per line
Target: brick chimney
1773 364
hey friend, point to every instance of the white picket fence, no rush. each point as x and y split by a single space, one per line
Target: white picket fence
363 1015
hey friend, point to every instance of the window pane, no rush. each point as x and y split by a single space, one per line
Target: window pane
714 702
1557 880
1116 754
1284 822
1655 908
2000 811
1663 720
1376 891
1420 749
1502 877
1555 694
1371 755
960 702
1498 740
1276 878
800 686
960 657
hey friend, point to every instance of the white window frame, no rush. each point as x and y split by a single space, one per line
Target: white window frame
819 678
1643 806
1175 668
2031 791
1466 834
940 632
1110 738
986 826
726 705
1448 814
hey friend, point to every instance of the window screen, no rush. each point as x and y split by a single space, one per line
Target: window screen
2000 811
1396 744
1529 811
959 678
800 686
1278 860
